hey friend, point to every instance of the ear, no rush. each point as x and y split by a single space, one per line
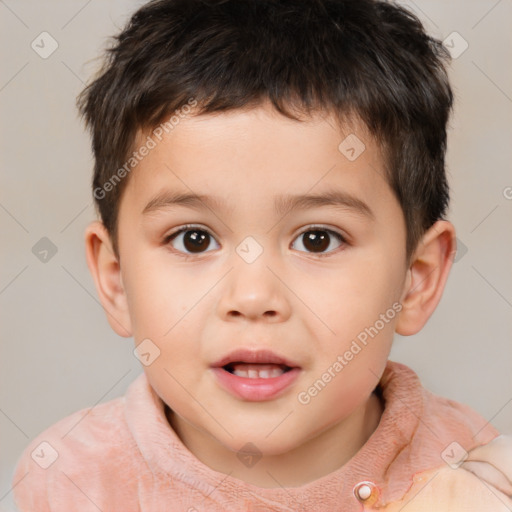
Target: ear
106 272
427 275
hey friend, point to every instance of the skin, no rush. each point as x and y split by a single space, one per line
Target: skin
304 305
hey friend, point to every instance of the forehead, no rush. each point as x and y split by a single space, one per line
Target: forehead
253 156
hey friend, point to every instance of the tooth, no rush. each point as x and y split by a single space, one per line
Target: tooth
276 372
255 371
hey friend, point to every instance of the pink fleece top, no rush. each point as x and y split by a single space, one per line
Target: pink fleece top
124 456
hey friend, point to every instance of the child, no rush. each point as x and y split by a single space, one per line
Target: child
257 128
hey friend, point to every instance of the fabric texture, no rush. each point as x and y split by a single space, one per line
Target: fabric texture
124 456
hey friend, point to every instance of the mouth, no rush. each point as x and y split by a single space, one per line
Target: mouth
255 375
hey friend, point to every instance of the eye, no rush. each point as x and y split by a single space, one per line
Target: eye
317 240
193 241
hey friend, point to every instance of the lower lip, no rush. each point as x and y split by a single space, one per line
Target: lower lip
255 390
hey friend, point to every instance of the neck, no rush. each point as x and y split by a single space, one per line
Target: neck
324 453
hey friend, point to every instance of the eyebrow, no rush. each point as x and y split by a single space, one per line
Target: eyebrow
283 204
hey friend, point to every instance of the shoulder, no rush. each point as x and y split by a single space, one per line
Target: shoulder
454 421
84 432
434 422
83 450
436 432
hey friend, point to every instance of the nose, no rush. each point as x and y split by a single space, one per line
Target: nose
254 291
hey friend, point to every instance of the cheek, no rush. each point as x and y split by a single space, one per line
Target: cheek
166 308
351 298
159 296
355 312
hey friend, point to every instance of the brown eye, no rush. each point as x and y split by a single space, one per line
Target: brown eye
317 241
190 241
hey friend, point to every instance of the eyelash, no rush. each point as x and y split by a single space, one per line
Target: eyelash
192 227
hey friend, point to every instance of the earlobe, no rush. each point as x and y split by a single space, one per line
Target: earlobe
426 279
106 272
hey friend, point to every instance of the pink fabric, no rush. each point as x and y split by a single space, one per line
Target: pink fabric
124 456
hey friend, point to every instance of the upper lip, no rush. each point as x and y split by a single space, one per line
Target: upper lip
254 356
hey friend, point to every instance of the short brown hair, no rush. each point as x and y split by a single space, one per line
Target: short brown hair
365 58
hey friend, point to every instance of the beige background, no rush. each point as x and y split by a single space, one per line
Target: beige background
58 353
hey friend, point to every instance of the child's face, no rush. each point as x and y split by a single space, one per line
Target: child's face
258 282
